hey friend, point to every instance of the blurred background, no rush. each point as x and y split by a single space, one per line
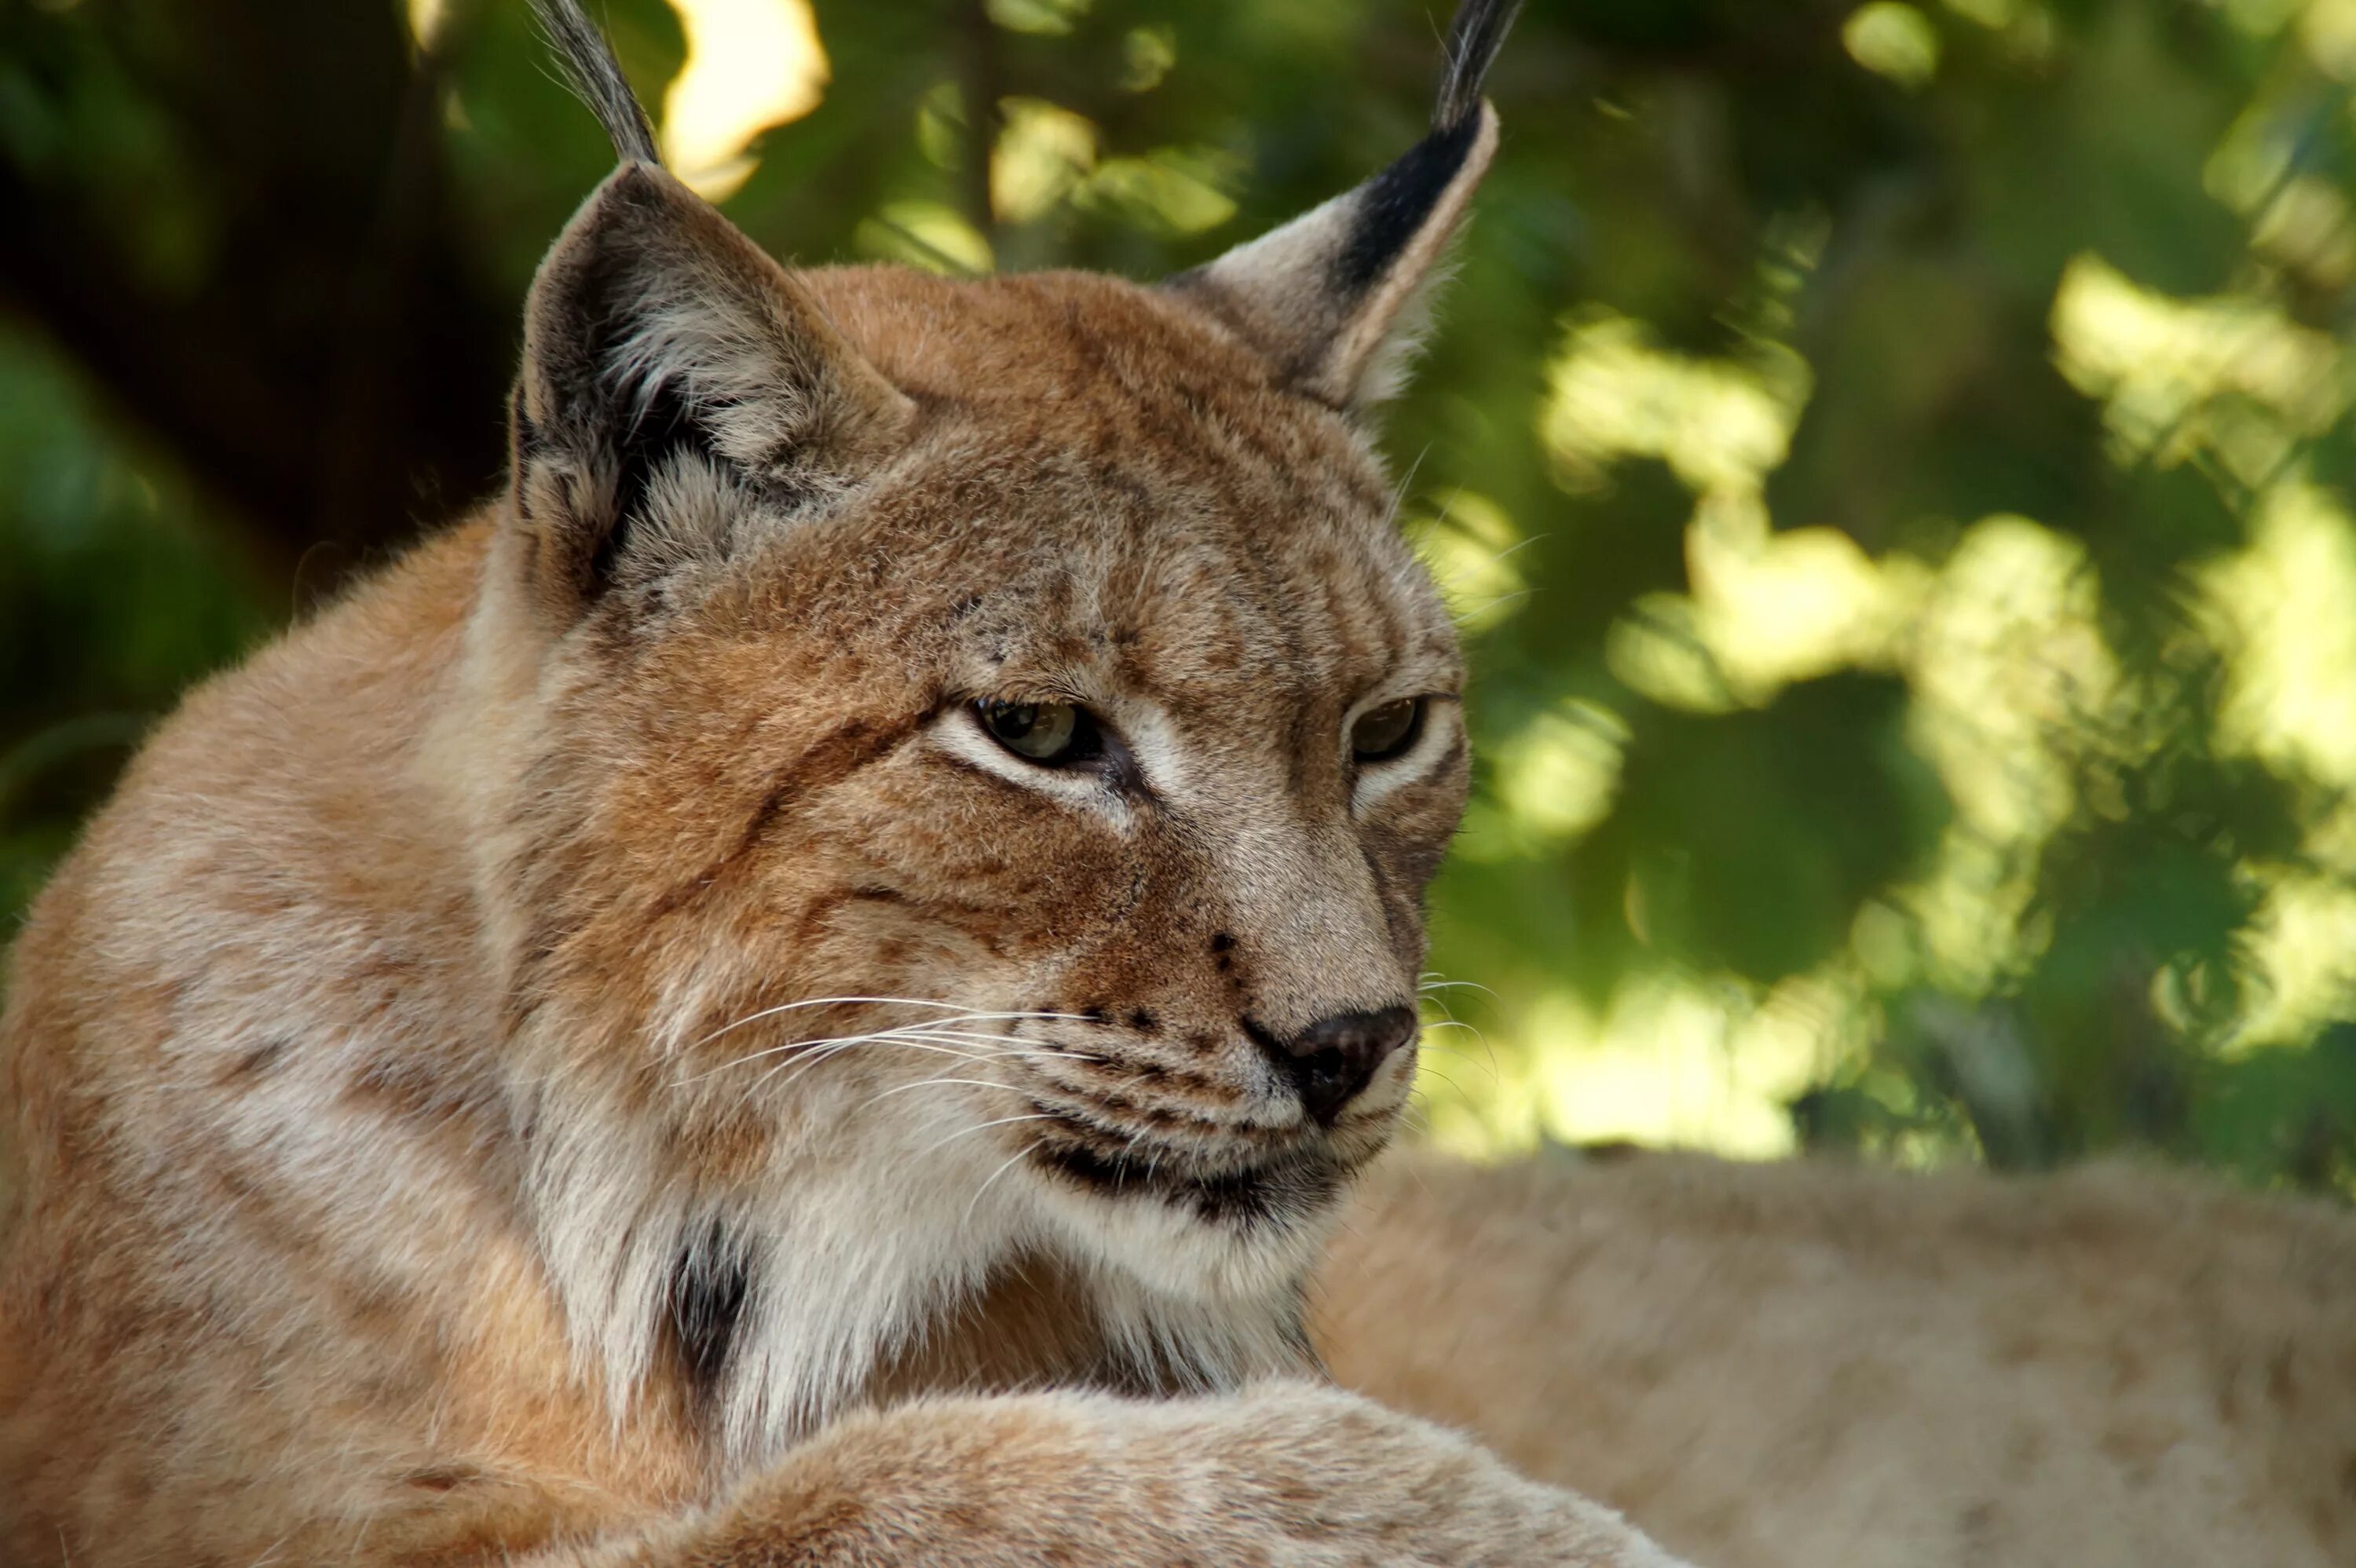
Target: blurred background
1893 463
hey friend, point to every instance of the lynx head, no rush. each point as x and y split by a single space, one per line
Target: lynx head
985 744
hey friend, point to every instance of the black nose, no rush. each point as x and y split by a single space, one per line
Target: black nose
1333 1059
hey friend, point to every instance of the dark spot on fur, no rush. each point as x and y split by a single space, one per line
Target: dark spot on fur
442 1478
1142 1021
1223 943
403 1087
259 1060
1095 1013
709 1283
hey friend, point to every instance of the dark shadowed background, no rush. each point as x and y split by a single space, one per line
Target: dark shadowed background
1893 462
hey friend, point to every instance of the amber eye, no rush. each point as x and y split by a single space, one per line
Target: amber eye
1382 733
1050 732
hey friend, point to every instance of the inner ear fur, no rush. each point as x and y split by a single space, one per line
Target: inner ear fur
1335 298
655 336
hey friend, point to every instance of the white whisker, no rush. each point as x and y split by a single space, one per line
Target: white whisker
1011 1160
1488 1051
912 1043
1049 1053
799 1064
926 1083
1443 1077
982 1126
921 1029
873 1002
836 1046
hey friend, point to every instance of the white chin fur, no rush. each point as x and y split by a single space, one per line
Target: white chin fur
1174 1251
862 1235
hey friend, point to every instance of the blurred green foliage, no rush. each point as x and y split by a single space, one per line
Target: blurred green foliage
1892 461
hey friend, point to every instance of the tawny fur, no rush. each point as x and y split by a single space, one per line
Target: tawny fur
1771 1365
587 1052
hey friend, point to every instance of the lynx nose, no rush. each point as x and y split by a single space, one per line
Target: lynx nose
1332 1060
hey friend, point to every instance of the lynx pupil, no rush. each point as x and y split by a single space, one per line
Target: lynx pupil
1041 732
1382 733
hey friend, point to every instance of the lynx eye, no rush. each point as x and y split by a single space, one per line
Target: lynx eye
1052 733
1382 733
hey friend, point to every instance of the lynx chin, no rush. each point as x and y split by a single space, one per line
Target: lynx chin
806 984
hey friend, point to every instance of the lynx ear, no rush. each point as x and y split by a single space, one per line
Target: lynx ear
673 374
1333 297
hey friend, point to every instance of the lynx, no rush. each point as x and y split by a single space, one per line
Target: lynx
806 985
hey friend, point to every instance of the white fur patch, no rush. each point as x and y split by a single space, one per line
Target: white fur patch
893 1209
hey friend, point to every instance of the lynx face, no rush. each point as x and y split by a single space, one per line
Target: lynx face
963 759
1182 748
1108 724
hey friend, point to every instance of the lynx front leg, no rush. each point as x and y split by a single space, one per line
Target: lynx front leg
1286 1474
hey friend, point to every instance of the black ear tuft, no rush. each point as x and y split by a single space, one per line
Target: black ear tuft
1395 203
711 1280
1474 37
1332 298
590 65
